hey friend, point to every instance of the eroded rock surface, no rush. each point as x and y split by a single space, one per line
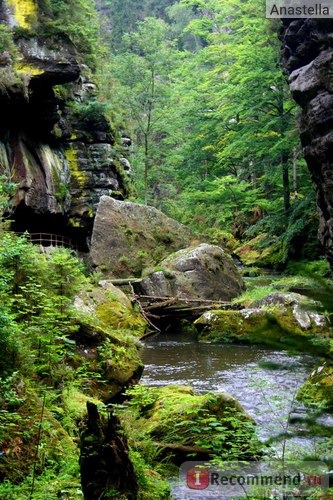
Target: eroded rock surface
204 272
127 237
56 143
286 320
307 56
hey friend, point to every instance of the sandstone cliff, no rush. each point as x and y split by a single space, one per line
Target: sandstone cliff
55 141
307 55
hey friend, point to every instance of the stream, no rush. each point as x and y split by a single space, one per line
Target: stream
265 381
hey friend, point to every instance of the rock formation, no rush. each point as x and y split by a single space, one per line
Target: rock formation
55 141
127 237
307 56
286 320
203 272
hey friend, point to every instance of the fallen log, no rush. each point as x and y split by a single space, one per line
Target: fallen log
161 304
181 299
124 281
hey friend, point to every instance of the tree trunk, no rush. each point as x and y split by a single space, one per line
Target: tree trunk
286 184
146 166
295 171
104 462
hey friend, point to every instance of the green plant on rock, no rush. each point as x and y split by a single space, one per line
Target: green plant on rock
8 49
89 115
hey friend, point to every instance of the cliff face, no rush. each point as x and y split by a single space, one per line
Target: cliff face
55 142
307 54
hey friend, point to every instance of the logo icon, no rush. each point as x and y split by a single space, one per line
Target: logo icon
197 478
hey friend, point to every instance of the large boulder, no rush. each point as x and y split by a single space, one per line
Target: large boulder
280 320
127 237
204 272
189 426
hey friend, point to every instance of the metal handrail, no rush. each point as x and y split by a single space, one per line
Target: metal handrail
51 239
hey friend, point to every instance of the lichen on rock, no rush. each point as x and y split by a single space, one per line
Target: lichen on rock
128 237
25 12
203 271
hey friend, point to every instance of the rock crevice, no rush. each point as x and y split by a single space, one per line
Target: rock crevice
307 56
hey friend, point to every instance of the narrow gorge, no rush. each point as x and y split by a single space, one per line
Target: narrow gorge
166 249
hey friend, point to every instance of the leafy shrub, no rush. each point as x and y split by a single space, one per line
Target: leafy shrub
90 115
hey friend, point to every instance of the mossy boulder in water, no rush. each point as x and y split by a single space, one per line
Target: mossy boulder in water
279 320
318 388
203 272
184 424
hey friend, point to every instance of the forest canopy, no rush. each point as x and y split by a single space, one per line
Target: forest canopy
199 87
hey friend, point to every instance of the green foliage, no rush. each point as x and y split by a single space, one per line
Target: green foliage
214 127
247 298
176 415
77 20
89 115
6 41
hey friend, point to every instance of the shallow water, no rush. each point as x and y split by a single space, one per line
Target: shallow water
265 381
245 372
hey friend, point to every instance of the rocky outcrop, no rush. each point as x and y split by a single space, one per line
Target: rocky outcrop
105 339
280 320
307 55
204 272
55 141
128 237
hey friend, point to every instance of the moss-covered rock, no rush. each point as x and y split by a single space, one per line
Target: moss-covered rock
106 339
276 325
110 309
183 423
318 388
128 237
203 271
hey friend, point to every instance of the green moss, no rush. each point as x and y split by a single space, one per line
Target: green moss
318 389
271 326
175 414
109 327
79 178
74 403
120 363
114 315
